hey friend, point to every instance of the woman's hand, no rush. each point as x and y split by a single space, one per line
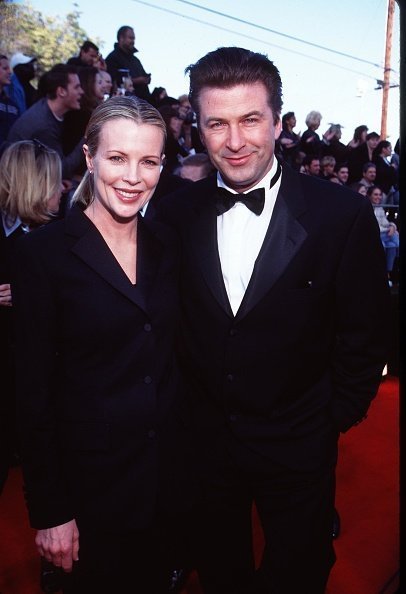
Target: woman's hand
59 545
5 295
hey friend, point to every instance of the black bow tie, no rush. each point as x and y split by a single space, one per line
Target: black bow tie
254 200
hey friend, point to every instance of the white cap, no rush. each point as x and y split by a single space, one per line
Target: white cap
19 58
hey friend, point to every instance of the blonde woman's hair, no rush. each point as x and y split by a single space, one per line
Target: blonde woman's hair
130 108
30 174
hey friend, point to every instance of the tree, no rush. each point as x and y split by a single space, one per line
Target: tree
50 39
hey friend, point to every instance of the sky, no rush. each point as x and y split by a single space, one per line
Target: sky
171 34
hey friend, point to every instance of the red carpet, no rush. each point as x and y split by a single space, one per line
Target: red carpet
367 500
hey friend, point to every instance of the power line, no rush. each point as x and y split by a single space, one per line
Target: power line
254 39
327 49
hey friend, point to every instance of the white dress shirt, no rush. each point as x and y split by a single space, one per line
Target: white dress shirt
240 235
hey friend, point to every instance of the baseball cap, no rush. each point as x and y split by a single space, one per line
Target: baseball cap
20 58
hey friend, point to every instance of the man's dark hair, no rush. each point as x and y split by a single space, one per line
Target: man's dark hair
286 117
122 30
308 160
366 166
88 45
230 66
372 135
58 76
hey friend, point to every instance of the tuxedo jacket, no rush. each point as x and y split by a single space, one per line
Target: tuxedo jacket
302 358
97 387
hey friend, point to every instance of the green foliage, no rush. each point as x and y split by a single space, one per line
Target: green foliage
50 39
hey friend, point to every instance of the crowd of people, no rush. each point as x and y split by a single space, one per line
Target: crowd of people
148 326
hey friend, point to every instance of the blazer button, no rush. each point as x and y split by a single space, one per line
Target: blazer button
147 379
230 377
233 418
232 332
147 327
151 433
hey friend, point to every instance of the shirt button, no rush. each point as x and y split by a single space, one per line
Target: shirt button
147 327
151 433
147 379
230 377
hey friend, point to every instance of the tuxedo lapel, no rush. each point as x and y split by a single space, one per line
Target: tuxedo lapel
203 240
89 245
284 238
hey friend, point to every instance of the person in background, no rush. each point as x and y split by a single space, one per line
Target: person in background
360 155
359 137
388 230
174 150
282 339
368 175
387 175
327 166
30 191
310 142
341 174
88 55
332 145
107 84
75 121
20 90
103 435
122 57
289 141
8 108
60 92
311 166
195 167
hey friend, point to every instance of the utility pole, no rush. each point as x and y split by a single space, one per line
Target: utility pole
387 70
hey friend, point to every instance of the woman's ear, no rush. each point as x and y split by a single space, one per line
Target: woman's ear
89 159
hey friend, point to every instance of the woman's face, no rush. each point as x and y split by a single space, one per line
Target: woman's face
376 196
107 83
126 168
99 87
362 190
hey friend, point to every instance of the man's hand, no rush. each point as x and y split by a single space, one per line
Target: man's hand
59 545
5 295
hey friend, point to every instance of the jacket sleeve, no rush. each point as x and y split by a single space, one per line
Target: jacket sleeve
362 337
36 366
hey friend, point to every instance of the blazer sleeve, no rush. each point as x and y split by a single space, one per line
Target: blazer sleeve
35 311
362 337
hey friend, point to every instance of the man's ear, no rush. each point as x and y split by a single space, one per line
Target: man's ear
61 92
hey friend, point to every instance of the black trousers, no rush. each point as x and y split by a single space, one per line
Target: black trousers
296 514
136 562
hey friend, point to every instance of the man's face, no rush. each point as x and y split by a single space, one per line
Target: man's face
237 128
127 40
73 93
313 168
5 73
90 57
373 142
342 174
370 174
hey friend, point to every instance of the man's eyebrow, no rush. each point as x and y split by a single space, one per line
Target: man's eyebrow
242 117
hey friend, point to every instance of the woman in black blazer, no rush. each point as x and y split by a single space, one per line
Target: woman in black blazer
101 425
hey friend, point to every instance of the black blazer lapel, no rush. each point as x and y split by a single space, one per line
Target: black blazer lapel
90 247
283 239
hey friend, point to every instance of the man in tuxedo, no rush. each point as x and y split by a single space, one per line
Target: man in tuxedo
282 339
